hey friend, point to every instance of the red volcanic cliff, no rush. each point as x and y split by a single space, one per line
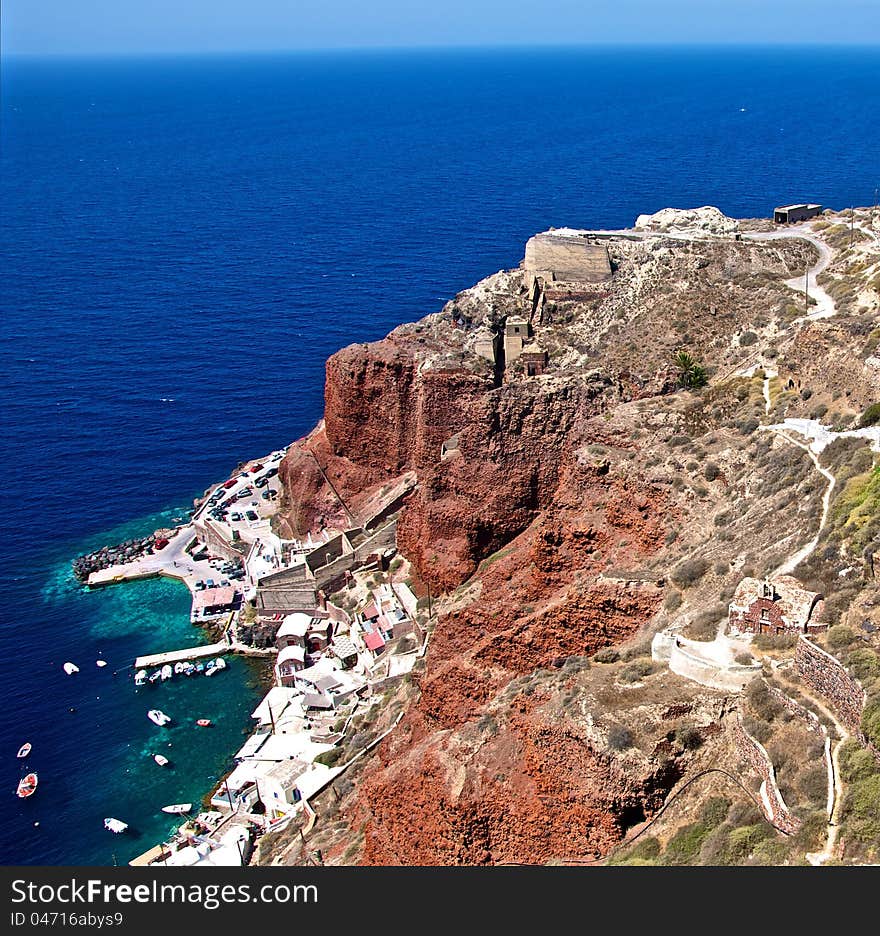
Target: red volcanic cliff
521 484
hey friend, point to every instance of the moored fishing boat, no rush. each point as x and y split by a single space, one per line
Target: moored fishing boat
140 677
158 717
24 750
160 760
166 672
203 722
27 785
70 668
177 808
115 825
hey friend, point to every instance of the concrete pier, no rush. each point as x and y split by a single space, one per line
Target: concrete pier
176 656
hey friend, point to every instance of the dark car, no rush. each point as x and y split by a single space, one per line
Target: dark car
261 482
271 472
251 515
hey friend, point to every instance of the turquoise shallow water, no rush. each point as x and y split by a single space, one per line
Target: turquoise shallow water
103 766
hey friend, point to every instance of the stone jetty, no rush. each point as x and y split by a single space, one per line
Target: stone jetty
127 551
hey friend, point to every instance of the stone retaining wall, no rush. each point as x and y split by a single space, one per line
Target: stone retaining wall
754 754
829 678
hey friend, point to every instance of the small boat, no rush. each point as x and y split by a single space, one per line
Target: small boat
24 750
166 672
200 667
115 825
140 677
158 717
190 669
27 785
220 663
70 668
178 808
154 677
203 722
100 662
179 668
160 760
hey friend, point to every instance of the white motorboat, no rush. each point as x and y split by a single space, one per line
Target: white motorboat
178 808
158 717
70 668
215 666
115 825
155 675
179 667
24 750
100 662
140 677
160 760
166 672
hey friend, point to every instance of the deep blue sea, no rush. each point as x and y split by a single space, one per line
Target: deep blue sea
185 240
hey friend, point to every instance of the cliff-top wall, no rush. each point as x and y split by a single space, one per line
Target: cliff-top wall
567 258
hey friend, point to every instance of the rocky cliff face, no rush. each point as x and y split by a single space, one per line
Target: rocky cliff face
552 527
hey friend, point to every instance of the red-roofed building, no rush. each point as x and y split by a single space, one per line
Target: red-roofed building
374 641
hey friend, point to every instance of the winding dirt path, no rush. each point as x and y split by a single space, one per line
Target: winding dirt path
824 304
807 549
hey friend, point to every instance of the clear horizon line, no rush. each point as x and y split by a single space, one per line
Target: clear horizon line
439 47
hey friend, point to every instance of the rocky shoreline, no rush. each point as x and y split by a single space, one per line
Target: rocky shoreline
127 551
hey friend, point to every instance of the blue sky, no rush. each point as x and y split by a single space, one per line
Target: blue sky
142 26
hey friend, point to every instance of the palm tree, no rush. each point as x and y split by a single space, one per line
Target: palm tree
690 374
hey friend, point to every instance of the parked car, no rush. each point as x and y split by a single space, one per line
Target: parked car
230 483
251 516
271 472
261 482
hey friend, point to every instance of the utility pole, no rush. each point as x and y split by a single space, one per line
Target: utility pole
852 221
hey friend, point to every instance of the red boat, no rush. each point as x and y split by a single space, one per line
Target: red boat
203 722
27 785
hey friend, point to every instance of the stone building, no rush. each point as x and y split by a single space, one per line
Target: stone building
779 606
534 359
487 344
516 333
789 214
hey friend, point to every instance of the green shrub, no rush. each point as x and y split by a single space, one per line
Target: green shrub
606 655
861 809
635 671
764 705
864 663
714 810
685 845
672 601
839 636
871 415
855 762
711 471
643 852
743 840
746 339
689 572
871 722
813 783
688 737
619 737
